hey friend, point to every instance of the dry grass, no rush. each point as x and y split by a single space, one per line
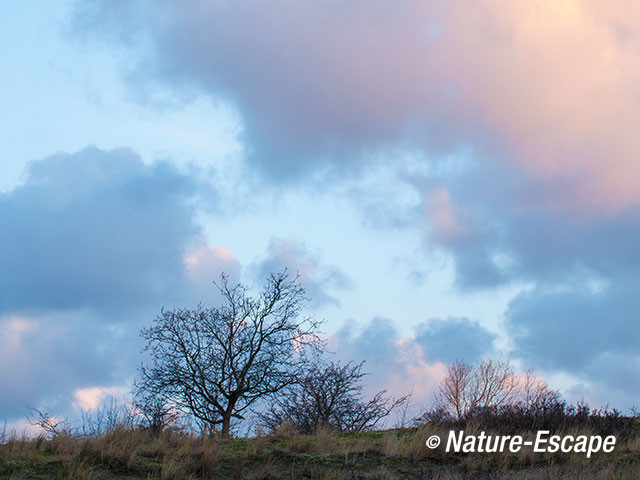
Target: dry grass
391 454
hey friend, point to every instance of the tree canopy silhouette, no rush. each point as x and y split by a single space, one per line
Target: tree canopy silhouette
330 396
216 362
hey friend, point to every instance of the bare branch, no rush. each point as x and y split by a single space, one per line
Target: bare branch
214 363
48 423
328 396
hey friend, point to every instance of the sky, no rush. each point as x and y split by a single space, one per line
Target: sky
450 181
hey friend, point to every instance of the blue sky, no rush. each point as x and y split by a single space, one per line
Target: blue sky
449 183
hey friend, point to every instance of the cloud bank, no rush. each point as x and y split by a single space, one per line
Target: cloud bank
92 245
543 87
95 229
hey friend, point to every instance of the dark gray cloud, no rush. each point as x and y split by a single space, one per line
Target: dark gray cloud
95 229
613 380
45 358
326 84
574 328
311 93
92 245
322 283
376 343
578 315
585 328
451 339
503 227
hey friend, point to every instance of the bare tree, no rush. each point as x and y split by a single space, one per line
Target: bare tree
155 410
106 418
402 413
535 395
453 394
51 425
494 383
329 395
216 362
465 388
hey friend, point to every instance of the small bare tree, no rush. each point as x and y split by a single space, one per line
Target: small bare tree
216 362
453 394
494 384
155 412
466 388
49 424
329 395
108 417
535 395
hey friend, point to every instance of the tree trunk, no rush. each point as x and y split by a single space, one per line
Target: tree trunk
226 421
226 425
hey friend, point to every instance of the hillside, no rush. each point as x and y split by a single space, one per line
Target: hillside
389 454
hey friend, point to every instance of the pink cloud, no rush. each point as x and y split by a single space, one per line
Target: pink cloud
550 88
394 363
555 83
90 398
424 376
